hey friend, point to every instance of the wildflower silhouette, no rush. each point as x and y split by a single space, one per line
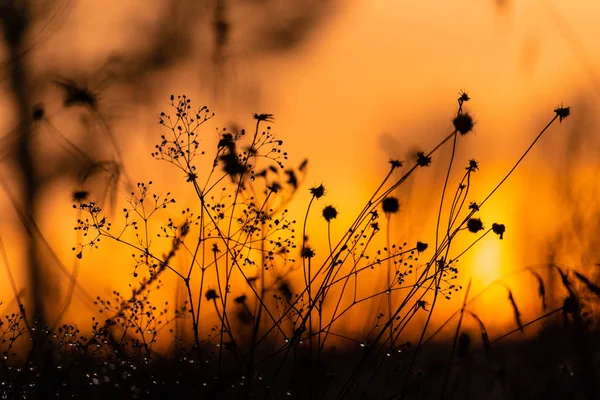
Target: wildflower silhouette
464 97
395 164
318 191
499 229
329 213
473 166
307 252
423 160
463 123
474 225
562 112
390 205
211 294
264 117
258 333
421 247
422 304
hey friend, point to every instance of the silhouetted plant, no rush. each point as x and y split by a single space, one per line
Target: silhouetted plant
261 330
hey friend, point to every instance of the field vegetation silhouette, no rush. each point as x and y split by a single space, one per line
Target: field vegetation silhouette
247 329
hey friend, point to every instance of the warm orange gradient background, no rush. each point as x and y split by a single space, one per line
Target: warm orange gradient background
374 80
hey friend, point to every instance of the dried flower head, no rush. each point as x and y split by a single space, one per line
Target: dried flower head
263 117
474 225
211 294
499 230
464 97
307 252
390 205
562 112
318 191
463 123
474 206
423 160
329 213
191 177
395 163
473 165
421 247
422 304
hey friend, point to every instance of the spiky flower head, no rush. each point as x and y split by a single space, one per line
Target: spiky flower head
395 163
423 160
463 123
263 117
318 191
329 213
464 97
307 252
473 165
562 112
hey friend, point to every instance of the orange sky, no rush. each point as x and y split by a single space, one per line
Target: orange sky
377 79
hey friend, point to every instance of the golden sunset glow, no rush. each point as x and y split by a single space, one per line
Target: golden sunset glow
351 86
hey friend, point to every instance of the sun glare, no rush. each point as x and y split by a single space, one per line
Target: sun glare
487 262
